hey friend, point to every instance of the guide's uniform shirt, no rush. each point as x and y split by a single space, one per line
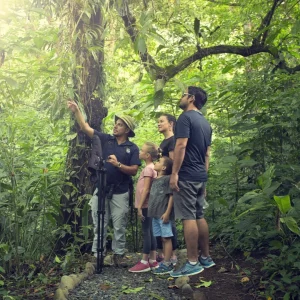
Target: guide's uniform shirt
127 154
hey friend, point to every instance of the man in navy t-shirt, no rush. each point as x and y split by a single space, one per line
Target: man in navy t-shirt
191 157
121 162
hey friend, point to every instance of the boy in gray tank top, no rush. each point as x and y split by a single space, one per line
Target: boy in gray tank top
160 208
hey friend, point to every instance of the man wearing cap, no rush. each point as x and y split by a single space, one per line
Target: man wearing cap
121 162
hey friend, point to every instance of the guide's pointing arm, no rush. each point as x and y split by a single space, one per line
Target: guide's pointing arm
84 126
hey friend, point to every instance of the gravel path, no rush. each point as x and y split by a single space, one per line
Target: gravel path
119 283
115 283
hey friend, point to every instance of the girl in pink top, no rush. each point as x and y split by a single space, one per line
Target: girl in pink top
148 153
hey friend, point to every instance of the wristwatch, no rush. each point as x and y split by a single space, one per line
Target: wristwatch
119 165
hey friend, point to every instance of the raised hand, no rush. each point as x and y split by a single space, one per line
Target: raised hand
72 105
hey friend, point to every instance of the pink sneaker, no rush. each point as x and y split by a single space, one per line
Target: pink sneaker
154 265
140 267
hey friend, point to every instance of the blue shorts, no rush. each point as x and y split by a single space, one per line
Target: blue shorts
162 229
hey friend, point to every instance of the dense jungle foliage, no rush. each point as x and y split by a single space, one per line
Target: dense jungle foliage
137 57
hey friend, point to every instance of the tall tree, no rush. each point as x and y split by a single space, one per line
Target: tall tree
86 26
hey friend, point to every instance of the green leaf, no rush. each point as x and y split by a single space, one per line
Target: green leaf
227 69
71 136
57 260
141 45
11 82
133 291
159 48
155 296
265 180
1 283
204 284
158 97
159 84
283 203
248 196
259 205
4 186
38 42
291 223
287 296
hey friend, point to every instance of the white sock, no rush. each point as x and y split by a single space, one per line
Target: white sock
167 263
151 261
144 262
193 263
203 257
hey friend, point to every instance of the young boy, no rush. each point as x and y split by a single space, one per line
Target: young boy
160 208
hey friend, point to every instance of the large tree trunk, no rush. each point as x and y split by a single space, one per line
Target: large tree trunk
88 79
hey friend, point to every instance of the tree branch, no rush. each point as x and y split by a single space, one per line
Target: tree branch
130 26
258 46
263 29
220 49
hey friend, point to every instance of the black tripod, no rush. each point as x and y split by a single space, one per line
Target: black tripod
101 180
96 163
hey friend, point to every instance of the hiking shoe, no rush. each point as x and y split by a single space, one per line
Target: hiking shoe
188 270
119 261
153 265
163 269
159 258
207 262
140 268
174 260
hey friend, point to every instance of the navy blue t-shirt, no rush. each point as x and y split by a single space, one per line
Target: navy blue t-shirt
127 153
192 125
167 146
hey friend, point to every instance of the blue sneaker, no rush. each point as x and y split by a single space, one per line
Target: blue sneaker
188 270
207 262
163 269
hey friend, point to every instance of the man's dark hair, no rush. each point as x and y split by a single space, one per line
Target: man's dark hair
168 163
199 94
170 119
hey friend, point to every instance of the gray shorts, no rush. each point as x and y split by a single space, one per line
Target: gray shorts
189 201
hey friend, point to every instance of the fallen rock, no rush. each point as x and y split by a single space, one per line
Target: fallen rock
83 275
187 290
59 295
67 282
75 278
108 260
199 296
89 268
181 281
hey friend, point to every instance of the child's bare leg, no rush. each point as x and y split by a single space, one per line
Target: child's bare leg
167 244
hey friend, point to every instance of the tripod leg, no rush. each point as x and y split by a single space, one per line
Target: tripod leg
101 216
103 178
